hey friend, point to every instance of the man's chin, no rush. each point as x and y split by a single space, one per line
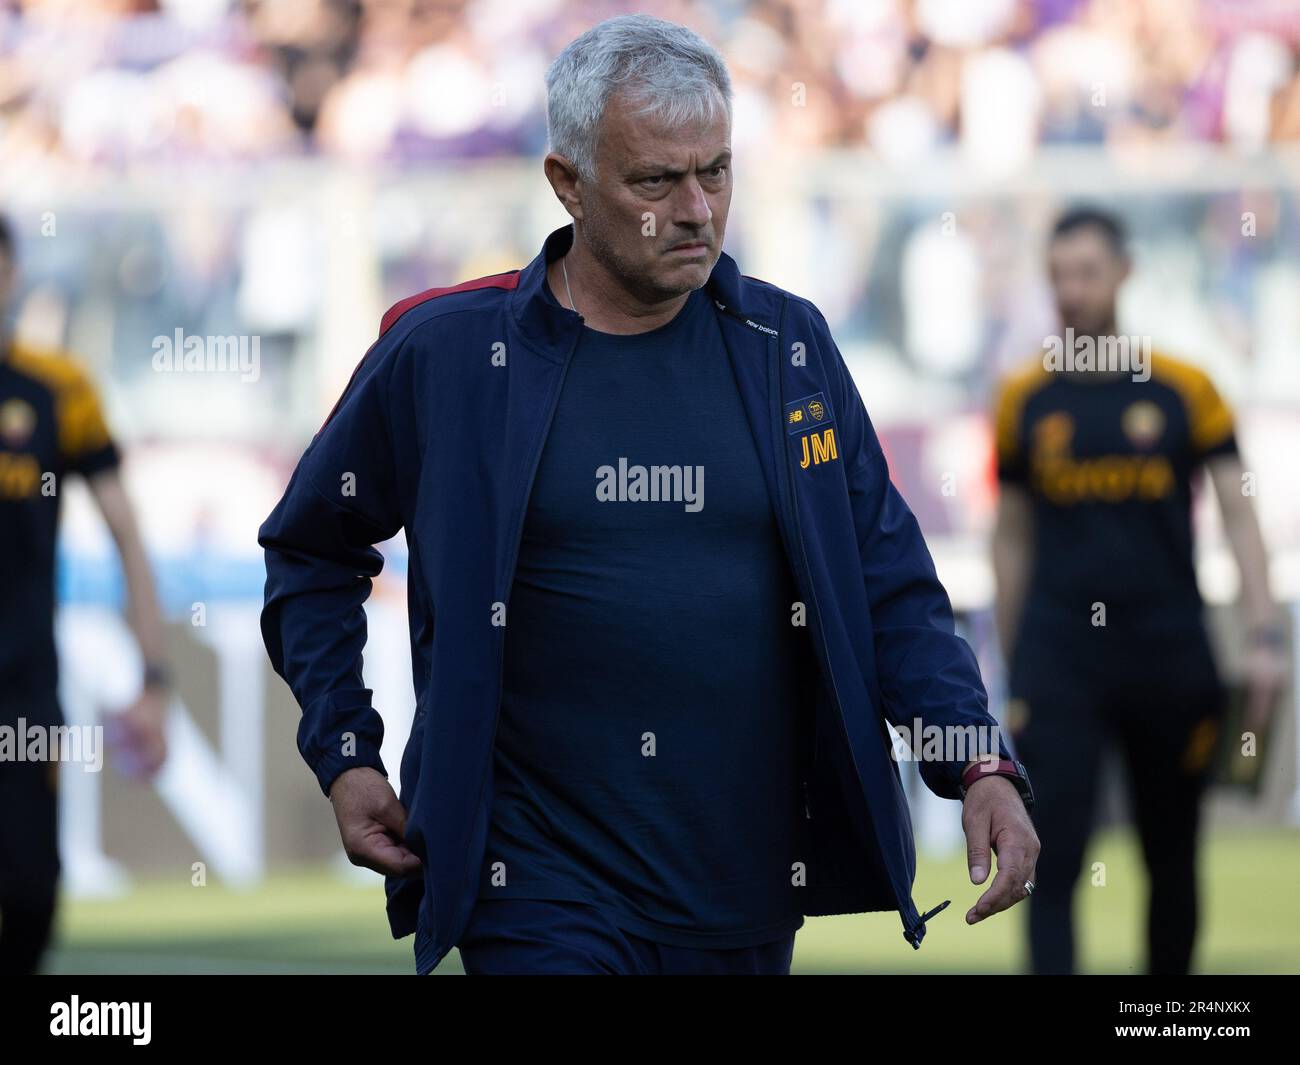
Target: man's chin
1085 327
686 275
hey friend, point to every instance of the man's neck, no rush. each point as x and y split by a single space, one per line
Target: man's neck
1100 342
605 305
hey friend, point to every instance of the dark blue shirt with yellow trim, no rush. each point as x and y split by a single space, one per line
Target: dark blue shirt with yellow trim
1109 461
50 425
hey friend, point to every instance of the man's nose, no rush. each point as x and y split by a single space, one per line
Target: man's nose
690 205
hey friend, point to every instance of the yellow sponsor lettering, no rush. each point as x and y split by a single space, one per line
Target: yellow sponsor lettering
20 475
1107 478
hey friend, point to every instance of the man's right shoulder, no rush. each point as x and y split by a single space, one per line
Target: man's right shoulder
483 296
1012 395
1022 381
485 293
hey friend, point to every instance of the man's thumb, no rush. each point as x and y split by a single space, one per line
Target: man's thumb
392 815
977 853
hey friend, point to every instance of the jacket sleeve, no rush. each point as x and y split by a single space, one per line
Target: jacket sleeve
925 670
320 560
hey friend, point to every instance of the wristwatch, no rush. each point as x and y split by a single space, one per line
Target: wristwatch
1274 636
1014 771
157 675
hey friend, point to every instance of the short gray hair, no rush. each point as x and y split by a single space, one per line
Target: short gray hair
670 70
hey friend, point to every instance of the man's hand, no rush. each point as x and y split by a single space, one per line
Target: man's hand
139 734
372 822
993 815
1266 670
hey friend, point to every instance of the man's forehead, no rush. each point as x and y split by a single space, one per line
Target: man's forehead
1082 244
652 144
672 155
648 139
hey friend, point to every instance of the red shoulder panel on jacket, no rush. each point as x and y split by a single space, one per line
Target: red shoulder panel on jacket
507 280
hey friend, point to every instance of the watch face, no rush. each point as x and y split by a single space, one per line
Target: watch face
1025 787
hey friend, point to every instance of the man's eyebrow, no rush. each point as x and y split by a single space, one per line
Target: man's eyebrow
647 167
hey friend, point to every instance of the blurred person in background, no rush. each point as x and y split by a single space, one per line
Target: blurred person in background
1098 608
51 425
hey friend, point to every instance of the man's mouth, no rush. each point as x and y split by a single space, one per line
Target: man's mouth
698 247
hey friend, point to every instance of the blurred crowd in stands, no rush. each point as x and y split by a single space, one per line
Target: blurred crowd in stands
113 82
186 154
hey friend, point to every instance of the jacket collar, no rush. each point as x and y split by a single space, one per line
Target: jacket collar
554 329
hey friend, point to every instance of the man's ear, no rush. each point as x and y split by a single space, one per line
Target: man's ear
563 176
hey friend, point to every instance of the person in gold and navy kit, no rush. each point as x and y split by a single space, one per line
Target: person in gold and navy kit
1098 607
51 425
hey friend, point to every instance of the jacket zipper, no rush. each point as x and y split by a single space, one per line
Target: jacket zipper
912 933
799 557
514 562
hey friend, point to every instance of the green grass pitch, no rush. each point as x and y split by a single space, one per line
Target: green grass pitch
314 921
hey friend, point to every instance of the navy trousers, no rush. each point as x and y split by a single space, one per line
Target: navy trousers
535 937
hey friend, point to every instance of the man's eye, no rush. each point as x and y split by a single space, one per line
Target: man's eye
653 182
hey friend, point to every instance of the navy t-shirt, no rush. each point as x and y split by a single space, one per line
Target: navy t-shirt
654 726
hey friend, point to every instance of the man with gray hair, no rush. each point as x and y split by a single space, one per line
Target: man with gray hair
650 733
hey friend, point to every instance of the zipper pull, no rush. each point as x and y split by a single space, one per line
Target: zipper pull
916 933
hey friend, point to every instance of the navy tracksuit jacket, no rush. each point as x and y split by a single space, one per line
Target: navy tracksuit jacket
439 433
